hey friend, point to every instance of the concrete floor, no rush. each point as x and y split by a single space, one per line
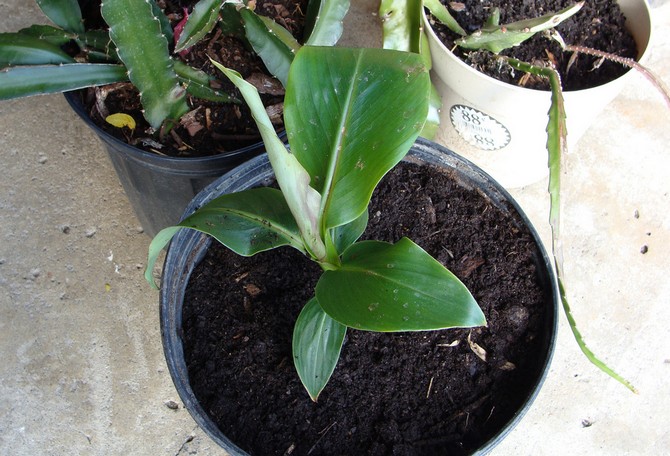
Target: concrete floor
82 368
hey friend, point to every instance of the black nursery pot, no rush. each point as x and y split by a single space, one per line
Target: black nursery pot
188 248
160 187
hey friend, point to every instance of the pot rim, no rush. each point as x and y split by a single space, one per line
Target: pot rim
73 99
188 247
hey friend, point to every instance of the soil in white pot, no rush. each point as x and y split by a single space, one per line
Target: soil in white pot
599 25
421 393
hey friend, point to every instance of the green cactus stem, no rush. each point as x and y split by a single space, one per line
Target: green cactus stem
143 48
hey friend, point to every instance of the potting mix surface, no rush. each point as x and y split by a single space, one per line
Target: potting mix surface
599 24
421 393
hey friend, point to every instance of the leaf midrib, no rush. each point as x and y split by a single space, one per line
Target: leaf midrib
336 152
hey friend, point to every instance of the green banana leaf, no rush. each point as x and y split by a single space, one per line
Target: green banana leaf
395 287
317 342
340 130
247 223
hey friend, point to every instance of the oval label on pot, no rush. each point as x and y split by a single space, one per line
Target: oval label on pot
479 129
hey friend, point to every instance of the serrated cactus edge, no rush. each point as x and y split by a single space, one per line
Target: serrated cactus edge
143 48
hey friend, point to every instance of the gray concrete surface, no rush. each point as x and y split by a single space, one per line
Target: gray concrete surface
81 363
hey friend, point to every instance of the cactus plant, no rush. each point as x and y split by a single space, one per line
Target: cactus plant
137 48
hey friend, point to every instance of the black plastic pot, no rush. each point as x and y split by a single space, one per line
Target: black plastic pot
189 247
160 187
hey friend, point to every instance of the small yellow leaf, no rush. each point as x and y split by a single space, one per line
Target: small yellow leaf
120 120
108 287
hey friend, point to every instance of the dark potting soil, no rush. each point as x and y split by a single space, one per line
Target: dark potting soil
423 393
210 128
598 25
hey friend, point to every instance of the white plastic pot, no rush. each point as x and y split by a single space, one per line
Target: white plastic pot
502 127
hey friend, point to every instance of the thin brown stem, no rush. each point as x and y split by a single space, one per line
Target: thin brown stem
630 63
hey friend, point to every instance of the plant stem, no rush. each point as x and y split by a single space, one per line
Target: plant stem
556 147
630 63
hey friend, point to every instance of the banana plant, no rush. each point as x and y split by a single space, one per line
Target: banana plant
337 103
137 49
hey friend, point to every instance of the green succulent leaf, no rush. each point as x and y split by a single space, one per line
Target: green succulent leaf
230 21
48 33
246 222
442 14
324 22
273 43
200 22
337 109
158 13
317 341
143 48
496 38
292 178
98 40
557 147
281 33
197 83
64 13
395 287
493 21
42 79
20 49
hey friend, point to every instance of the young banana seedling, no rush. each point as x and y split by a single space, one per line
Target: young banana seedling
351 115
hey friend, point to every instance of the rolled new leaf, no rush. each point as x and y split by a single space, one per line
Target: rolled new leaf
396 287
317 341
402 30
401 25
143 48
292 178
